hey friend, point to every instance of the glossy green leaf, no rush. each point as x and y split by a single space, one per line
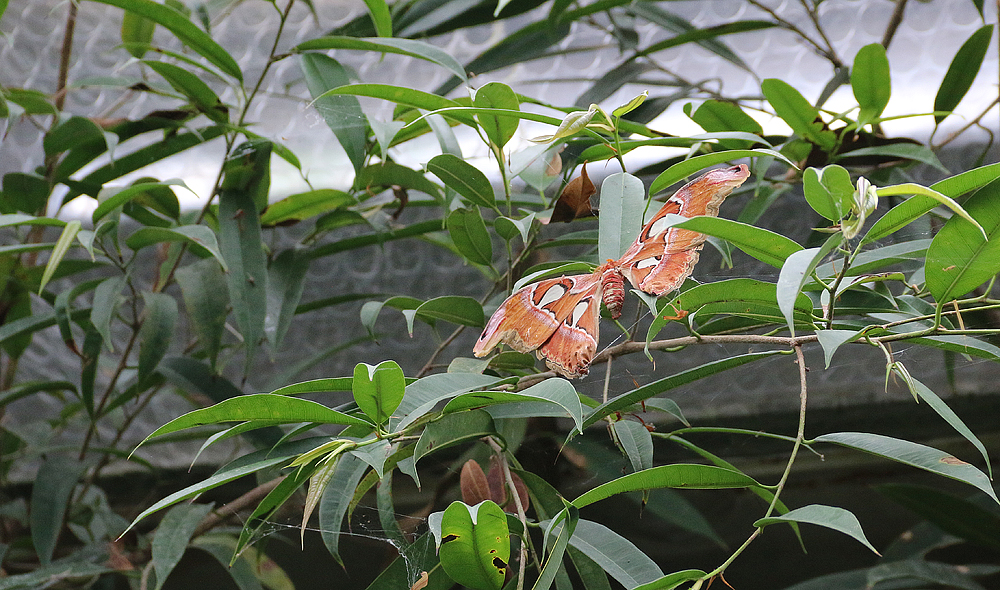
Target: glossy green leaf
906 151
961 344
453 429
635 441
285 283
828 191
959 259
496 95
475 545
794 274
200 237
464 178
623 198
409 97
464 311
423 394
798 113
618 556
907 572
659 386
111 200
388 174
137 34
343 114
206 298
378 389
671 581
381 18
301 206
764 245
468 231
913 454
107 296
70 134
962 72
718 116
555 391
413 48
870 81
830 517
679 475
172 538
682 170
186 31
563 530
53 485
191 86
240 240
335 500
950 513
59 251
159 318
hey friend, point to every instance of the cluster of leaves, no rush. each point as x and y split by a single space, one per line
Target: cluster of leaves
240 296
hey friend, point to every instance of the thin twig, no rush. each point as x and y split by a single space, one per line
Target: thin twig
64 58
971 123
894 22
520 510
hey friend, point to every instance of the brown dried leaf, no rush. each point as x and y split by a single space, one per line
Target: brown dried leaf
473 482
574 201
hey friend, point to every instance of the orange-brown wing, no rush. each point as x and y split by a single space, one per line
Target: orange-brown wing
662 257
557 318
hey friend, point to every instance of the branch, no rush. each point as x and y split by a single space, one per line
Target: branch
227 511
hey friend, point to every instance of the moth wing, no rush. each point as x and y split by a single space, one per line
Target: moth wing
526 319
573 344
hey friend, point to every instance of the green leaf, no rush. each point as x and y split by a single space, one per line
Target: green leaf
671 581
413 48
828 191
659 386
682 170
381 18
336 499
285 282
423 394
270 504
158 320
107 295
796 111
468 231
240 240
464 178
301 206
59 251
475 545
409 97
343 114
913 454
962 72
831 340
191 86
562 528
137 34
378 389
555 391
464 311
954 515
387 174
623 198
764 245
498 129
201 239
172 537
206 298
870 82
830 517
258 406
794 274
184 30
70 134
959 259
716 115
112 199
621 559
636 442
916 206
680 475
938 405
908 572
908 151
53 485
453 429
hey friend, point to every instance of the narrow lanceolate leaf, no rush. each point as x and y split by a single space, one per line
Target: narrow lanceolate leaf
831 340
158 320
618 556
464 311
317 485
764 245
413 48
206 298
636 442
830 517
681 475
464 178
959 259
622 202
381 18
56 479
423 394
870 81
172 538
240 241
259 406
794 274
285 283
556 391
183 29
378 389
343 114
468 231
475 545
916 455
950 513
200 95
335 500
682 170
301 206
59 251
962 72
453 429
200 238
562 528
